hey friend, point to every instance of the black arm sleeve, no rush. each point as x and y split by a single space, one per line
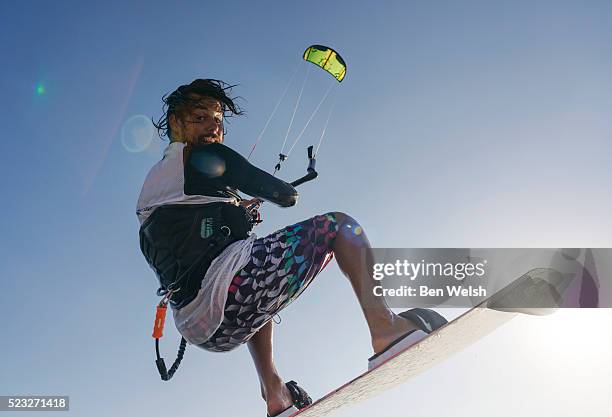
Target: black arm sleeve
220 167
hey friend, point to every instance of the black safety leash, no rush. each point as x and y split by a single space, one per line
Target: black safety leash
161 366
162 308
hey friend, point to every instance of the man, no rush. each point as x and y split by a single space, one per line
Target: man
224 283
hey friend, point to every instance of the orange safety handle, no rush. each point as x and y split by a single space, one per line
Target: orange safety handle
160 319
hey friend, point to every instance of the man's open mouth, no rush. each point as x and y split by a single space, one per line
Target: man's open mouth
208 139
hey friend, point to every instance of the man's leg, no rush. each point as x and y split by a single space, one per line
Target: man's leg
384 325
273 389
349 245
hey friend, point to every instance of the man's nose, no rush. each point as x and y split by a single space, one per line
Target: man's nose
214 127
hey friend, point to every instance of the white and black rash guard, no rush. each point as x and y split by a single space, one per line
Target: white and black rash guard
200 175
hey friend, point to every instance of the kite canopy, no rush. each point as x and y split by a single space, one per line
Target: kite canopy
326 58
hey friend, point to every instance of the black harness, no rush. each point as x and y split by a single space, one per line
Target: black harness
179 241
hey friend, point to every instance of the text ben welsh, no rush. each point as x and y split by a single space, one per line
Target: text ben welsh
413 270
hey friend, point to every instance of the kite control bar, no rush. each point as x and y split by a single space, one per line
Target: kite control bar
312 173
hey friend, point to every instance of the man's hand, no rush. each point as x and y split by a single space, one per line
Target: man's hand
252 206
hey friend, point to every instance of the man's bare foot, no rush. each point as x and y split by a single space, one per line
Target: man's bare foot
277 397
398 327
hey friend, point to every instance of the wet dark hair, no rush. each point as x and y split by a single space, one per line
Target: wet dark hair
180 100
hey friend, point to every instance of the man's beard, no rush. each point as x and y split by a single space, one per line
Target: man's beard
207 140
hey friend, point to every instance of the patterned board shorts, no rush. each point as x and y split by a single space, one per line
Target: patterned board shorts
282 265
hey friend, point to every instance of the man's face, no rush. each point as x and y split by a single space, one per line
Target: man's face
199 124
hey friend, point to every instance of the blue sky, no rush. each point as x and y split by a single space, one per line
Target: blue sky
459 124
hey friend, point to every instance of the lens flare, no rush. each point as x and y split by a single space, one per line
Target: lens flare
40 89
137 133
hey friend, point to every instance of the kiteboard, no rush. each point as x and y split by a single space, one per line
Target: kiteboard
532 288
